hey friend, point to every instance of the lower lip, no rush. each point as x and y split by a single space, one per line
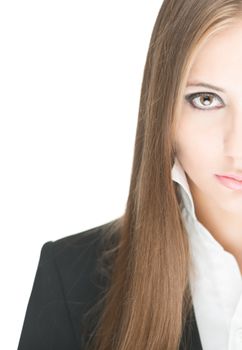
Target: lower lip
230 183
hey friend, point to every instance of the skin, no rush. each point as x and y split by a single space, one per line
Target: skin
209 141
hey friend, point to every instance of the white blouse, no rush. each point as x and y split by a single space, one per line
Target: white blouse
216 281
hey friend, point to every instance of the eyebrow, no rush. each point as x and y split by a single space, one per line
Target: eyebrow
210 86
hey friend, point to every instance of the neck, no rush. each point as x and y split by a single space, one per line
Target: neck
225 227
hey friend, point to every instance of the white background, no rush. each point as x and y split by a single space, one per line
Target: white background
70 81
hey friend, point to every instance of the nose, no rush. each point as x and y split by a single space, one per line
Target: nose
233 139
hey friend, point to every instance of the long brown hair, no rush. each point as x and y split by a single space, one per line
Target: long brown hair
148 299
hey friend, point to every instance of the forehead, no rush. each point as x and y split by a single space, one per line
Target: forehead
219 59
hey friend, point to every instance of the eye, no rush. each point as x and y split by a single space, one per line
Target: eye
204 99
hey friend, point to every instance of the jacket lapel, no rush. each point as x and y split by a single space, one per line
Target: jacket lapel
190 337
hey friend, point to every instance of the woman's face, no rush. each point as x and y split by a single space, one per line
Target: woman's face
209 134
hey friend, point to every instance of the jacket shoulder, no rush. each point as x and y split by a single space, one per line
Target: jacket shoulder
67 284
78 258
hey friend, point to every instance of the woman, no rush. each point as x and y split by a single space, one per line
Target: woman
167 274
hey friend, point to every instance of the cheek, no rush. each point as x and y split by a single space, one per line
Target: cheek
195 148
196 138
187 139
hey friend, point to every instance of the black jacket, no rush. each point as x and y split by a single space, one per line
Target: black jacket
65 287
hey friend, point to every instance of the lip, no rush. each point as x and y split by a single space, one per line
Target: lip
233 176
229 182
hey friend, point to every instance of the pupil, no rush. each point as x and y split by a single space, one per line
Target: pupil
206 98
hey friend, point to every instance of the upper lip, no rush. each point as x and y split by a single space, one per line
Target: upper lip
233 176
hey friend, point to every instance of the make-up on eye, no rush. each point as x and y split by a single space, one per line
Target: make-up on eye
204 101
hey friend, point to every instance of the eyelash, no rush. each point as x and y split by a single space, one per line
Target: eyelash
191 97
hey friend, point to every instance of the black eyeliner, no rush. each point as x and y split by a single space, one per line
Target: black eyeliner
190 97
